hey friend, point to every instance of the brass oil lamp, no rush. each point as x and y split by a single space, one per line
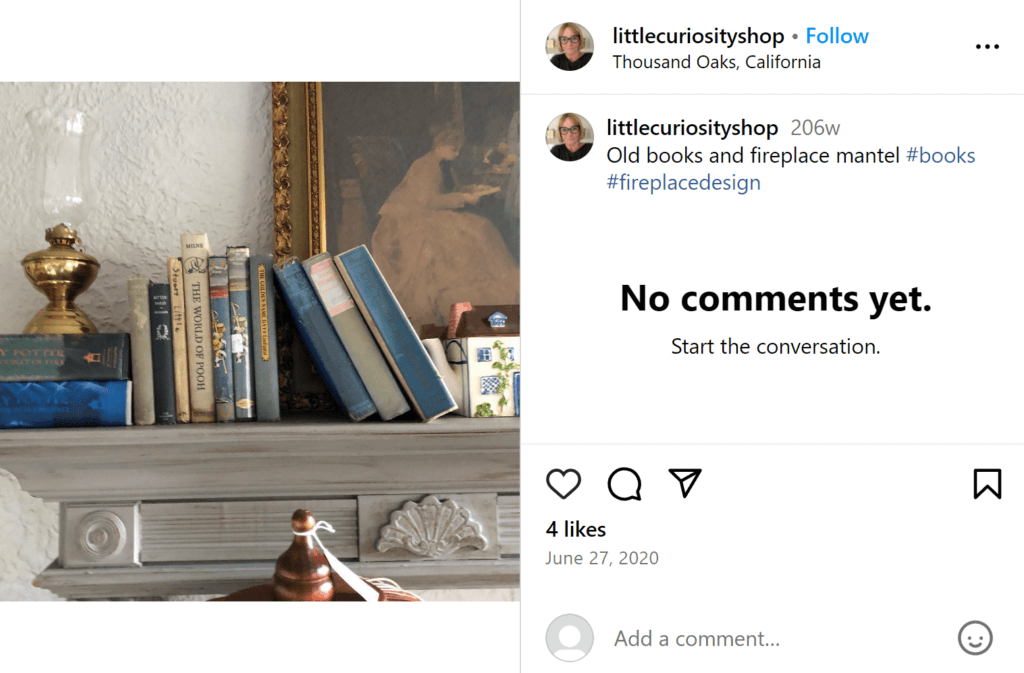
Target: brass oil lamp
62 271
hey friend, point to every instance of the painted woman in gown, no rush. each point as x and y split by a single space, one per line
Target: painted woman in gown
431 252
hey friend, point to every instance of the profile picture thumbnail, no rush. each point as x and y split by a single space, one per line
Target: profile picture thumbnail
570 136
570 46
570 638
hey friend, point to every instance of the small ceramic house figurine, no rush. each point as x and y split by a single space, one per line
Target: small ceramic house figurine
483 351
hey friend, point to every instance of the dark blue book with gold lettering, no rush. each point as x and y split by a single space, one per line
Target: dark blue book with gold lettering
50 404
329 355
405 353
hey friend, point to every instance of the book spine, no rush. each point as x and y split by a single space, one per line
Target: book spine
220 318
49 404
395 334
195 258
163 353
326 349
241 332
356 336
64 357
142 350
178 339
264 338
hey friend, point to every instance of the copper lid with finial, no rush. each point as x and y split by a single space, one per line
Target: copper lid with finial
302 573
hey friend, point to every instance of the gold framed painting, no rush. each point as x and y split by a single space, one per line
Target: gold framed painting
424 174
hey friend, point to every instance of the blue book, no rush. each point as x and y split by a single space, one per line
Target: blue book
322 342
220 314
241 332
405 353
264 337
51 404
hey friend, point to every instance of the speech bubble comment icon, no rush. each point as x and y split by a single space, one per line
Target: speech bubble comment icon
624 484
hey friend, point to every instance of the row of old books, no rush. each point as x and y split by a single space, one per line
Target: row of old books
362 343
218 313
204 345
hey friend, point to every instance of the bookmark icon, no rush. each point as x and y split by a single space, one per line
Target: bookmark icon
990 480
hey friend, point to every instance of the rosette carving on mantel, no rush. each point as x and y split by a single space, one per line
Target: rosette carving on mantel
431 528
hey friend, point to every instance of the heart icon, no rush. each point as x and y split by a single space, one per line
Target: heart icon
564 482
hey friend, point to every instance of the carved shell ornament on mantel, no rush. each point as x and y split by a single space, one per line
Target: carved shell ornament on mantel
431 528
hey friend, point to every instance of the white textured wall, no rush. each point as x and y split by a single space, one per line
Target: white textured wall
170 158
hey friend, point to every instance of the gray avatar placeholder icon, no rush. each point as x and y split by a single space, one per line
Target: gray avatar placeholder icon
570 638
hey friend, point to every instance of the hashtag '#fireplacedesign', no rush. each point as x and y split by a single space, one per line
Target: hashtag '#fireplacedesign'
613 181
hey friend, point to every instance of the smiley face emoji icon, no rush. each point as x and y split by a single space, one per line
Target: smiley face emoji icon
975 637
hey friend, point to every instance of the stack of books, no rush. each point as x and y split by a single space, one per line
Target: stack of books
205 342
53 380
360 340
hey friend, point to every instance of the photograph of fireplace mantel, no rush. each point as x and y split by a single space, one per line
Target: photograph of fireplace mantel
285 170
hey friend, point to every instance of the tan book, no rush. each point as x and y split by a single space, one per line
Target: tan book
142 351
176 281
355 335
195 262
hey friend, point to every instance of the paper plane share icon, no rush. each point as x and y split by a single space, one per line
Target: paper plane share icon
687 478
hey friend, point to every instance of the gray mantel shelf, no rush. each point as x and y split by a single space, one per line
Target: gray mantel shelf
264 460
155 483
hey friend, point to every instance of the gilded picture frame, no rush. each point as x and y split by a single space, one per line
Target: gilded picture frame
295 213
